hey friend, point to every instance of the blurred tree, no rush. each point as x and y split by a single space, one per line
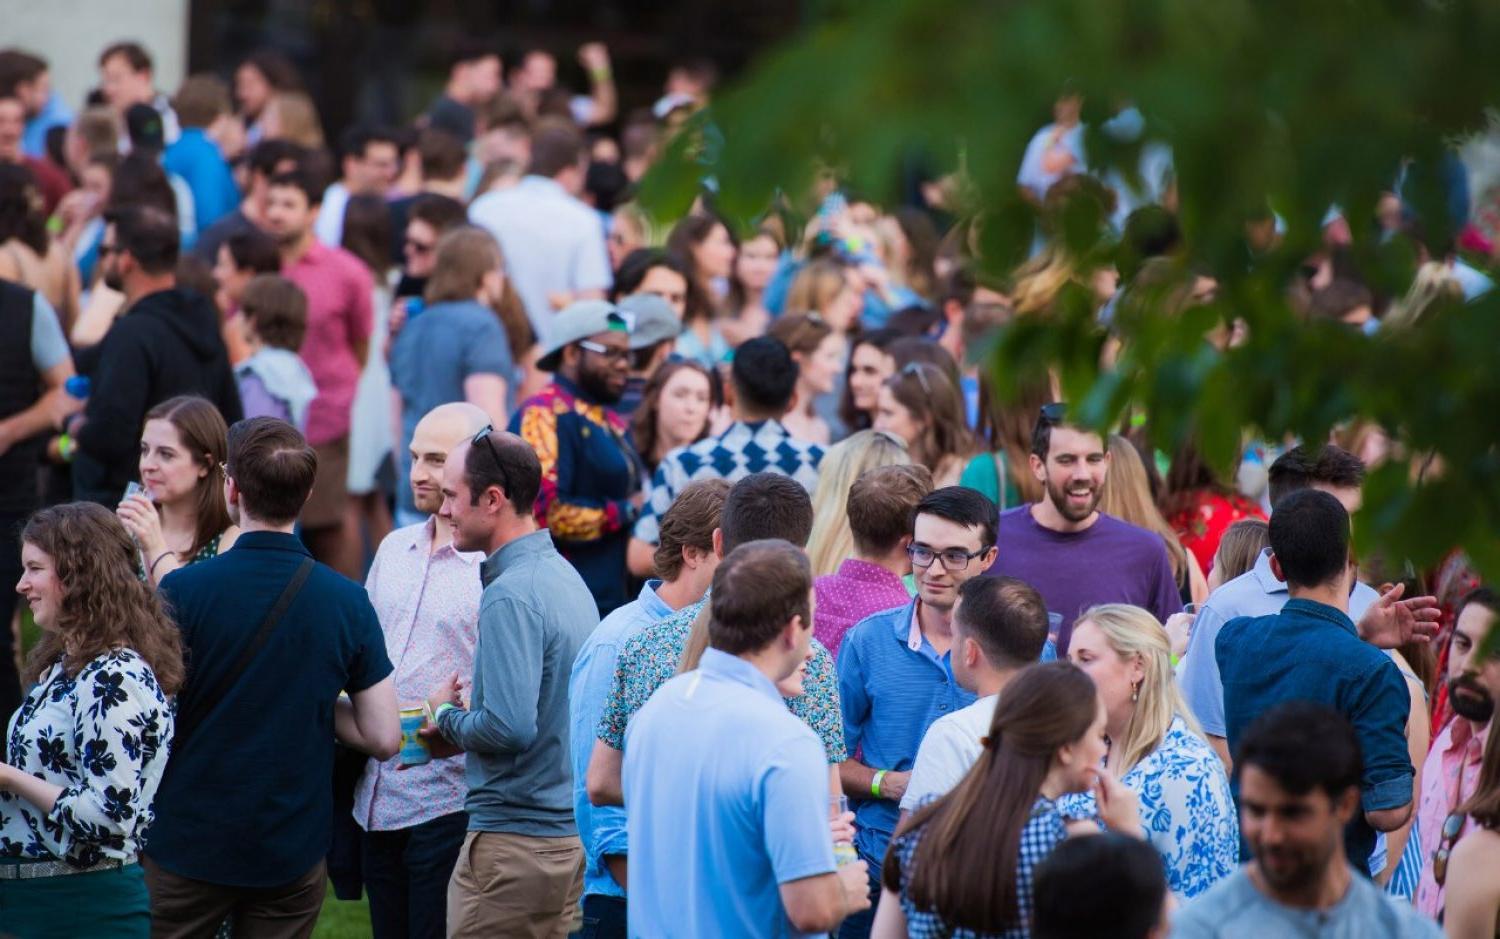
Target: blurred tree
1266 105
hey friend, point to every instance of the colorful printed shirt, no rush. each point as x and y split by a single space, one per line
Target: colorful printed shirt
589 473
103 737
428 605
650 657
742 449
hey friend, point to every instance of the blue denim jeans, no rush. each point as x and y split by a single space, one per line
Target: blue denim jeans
603 917
406 875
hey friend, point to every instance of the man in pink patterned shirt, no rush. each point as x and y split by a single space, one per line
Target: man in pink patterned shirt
340 315
426 594
880 507
1451 772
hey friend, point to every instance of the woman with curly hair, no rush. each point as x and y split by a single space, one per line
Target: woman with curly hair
86 751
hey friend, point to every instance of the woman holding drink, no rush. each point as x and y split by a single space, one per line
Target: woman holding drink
177 514
86 750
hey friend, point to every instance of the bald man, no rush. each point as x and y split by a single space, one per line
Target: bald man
426 594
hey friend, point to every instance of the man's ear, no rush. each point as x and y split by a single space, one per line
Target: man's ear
1038 467
719 543
1276 568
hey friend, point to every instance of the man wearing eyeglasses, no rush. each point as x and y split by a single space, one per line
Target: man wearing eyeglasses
896 671
1450 775
591 477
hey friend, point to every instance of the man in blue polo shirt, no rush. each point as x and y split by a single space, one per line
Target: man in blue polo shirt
895 672
1311 651
244 815
735 840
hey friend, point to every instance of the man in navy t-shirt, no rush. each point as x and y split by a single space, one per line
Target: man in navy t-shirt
244 815
1073 554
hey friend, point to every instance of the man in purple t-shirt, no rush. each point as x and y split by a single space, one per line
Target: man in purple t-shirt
1073 554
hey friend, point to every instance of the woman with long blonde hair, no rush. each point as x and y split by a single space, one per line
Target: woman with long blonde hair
1127 496
842 464
1156 747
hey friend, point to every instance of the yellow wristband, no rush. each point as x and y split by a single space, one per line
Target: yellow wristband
875 783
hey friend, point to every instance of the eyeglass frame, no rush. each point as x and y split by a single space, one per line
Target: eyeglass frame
940 556
611 355
917 369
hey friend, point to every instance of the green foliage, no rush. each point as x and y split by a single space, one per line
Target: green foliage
1267 104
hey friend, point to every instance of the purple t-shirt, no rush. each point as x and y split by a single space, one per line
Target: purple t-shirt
1111 561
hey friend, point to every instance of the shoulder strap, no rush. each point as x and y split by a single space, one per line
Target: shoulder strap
205 703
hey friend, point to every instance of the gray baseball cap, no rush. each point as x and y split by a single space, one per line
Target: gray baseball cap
577 321
651 319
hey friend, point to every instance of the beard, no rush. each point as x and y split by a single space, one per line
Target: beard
596 384
1059 497
112 278
1470 699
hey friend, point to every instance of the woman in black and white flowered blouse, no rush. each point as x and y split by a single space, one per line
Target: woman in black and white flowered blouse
85 752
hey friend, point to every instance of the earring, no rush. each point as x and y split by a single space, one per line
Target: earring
1135 692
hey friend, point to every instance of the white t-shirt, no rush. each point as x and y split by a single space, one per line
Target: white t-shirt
949 748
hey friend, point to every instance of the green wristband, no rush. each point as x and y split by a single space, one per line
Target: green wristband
875 783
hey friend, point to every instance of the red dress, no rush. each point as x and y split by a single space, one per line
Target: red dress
1201 526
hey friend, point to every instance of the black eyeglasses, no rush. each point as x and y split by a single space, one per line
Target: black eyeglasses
954 559
612 355
919 369
494 455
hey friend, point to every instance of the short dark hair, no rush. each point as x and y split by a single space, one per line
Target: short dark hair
881 505
1310 537
556 145
689 523
1341 297
135 55
149 234
962 506
273 467
18 66
1304 466
764 375
277 310
467 49
1006 616
442 154
302 180
637 264
510 464
355 140
266 156
1483 595
1105 884
1053 414
757 589
1302 745
439 211
254 250
766 505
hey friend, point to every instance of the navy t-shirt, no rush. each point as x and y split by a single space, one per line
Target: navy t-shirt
248 801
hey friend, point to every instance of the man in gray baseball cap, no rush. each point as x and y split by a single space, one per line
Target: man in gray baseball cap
591 490
654 328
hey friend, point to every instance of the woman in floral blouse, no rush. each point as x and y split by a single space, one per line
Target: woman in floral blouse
87 748
1156 748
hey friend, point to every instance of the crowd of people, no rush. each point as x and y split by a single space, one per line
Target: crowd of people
422 516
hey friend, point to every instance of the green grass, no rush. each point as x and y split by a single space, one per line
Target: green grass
339 920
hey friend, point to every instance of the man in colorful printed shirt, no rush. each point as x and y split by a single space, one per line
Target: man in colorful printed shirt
765 378
426 594
765 505
591 477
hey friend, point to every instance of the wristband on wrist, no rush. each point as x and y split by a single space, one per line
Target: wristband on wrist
600 74
152 568
442 709
875 783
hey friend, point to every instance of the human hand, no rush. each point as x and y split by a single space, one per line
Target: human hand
397 318
445 692
61 406
594 57
1180 630
1391 622
1118 805
842 828
893 785
465 685
439 746
854 878
141 520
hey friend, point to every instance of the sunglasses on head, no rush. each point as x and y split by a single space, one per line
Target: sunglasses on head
494 455
919 369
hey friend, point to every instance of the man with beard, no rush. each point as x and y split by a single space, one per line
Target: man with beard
1073 554
1298 769
896 674
340 316
591 477
166 343
1450 774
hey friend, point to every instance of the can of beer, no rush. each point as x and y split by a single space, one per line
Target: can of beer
414 748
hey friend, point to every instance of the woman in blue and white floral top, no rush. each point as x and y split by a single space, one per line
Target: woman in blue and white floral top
1156 748
86 751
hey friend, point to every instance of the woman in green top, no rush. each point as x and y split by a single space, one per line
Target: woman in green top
181 516
1002 471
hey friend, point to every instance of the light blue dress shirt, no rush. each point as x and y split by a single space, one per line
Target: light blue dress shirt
602 828
1256 592
726 792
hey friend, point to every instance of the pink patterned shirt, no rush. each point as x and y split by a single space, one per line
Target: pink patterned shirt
428 604
1459 748
340 315
843 598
